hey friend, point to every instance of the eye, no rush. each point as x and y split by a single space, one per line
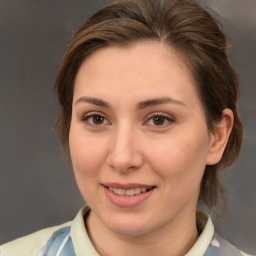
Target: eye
159 119
95 119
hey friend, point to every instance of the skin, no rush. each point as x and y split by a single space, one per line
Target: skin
127 146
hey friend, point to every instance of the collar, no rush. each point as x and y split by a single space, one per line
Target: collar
83 245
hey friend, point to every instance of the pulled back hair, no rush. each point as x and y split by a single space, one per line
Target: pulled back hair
184 26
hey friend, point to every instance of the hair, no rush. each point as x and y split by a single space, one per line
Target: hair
189 29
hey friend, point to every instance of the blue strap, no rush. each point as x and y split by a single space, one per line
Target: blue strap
59 243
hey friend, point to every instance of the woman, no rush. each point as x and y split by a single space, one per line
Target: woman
149 117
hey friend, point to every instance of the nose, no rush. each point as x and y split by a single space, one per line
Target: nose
124 151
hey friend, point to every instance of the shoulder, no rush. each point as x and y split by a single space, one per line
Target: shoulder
31 244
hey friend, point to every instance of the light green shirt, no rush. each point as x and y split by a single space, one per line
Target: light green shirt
30 245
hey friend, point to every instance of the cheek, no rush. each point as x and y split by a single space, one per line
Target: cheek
180 159
86 154
180 166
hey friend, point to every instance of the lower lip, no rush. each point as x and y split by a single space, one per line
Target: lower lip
127 201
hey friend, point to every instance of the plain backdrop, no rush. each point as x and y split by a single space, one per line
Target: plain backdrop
37 187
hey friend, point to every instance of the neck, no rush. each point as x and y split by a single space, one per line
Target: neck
174 239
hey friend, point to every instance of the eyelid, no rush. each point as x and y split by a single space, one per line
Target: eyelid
160 114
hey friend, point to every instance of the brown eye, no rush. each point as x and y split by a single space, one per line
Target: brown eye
98 120
95 120
158 120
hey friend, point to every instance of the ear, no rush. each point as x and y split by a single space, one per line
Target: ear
219 137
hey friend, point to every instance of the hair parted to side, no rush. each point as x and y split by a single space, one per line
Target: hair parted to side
182 25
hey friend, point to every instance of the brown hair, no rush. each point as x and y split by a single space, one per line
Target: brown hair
183 25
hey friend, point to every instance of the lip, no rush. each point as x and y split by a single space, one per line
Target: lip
126 186
127 201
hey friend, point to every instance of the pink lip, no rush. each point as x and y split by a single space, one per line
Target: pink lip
126 186
127 201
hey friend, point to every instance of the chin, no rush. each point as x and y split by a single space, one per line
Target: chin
128 227
129 230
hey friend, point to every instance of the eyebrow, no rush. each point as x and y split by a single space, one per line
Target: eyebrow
140 105
158 101
94 101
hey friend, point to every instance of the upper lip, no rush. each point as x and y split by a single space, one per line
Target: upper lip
126 186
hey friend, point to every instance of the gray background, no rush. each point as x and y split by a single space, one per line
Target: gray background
37 187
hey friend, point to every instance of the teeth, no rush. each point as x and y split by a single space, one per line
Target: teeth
143 190
127 192
120 192
137 191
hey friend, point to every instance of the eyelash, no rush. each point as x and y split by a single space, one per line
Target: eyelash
167 118
92 115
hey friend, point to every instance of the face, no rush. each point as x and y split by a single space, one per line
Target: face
138 138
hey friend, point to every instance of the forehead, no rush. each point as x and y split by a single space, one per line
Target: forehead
140 70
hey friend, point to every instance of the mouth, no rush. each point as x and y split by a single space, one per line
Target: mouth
130 189
128 192
127 195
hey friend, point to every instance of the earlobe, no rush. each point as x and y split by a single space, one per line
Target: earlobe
219 137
